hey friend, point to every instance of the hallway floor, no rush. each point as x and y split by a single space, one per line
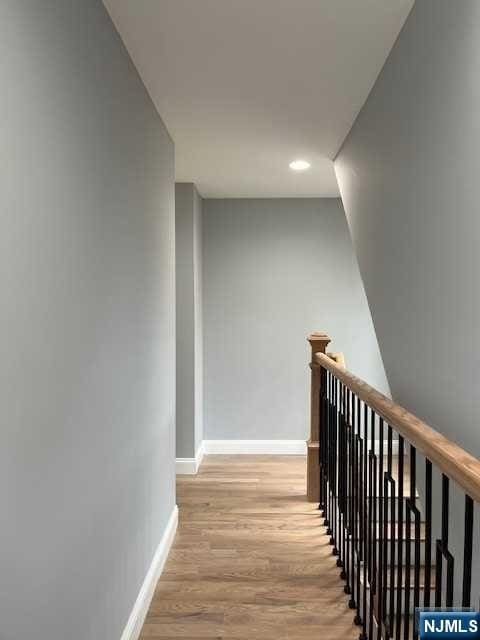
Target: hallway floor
250 560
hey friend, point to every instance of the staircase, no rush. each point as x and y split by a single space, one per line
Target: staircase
399 544
387 485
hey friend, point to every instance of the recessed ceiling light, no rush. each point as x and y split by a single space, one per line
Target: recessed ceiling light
299 165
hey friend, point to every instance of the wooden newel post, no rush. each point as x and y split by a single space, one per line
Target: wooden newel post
318 342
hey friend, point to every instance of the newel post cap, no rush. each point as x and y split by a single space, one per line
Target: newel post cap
319 340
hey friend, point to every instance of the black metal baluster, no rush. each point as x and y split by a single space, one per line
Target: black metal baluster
335 468
416 513
400 529
428 533
443 552
380 582
342 478
325 439
373 524
333 451
339 472
370 538
352 501
328 515
408 556
366 523
449 558
360 507
438 558
330 461
416 587
389 566
346 479
467 552
321 411
339 475
325 449
333 454
348 495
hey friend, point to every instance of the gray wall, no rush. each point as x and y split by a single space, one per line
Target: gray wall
87 328
275 270
188 227
198 310
409 175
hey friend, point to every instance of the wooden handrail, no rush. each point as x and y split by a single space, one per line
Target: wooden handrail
456 463
339 358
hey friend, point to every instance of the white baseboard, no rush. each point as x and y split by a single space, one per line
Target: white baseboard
190 466
269 447
144 598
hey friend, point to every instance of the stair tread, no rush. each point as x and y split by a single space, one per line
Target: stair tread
412 577
394 475
397 527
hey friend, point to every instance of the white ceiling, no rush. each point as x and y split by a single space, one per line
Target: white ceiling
246 86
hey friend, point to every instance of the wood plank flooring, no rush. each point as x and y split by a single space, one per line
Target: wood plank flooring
250 560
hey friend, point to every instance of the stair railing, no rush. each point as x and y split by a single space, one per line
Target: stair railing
398 501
